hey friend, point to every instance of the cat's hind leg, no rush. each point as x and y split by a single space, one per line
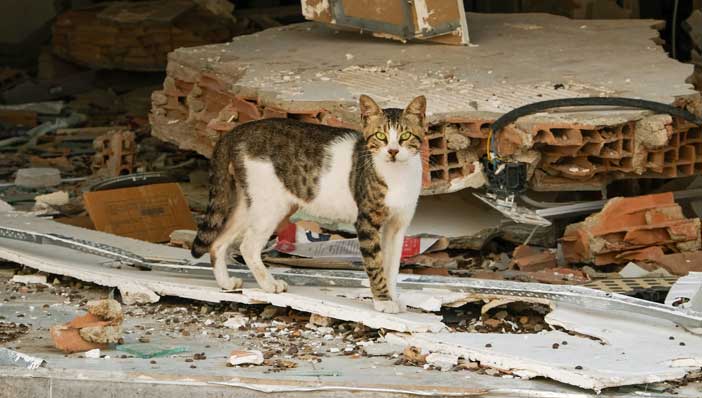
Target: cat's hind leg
232 231
264 218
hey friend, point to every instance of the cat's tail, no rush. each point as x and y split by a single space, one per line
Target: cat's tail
222 196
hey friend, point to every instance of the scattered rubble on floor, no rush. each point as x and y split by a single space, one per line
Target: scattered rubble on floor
10 331
483 331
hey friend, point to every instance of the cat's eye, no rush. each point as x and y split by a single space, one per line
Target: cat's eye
405 136
381 136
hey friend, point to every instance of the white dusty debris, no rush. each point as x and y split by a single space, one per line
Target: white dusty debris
237 321
30 279
253 357
133 293
444 362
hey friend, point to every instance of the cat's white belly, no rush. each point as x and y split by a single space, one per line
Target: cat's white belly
334 199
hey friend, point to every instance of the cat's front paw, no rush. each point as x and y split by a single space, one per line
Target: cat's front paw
387 306
275 286
231 284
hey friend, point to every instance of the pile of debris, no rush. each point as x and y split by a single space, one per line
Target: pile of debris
139 35
648 229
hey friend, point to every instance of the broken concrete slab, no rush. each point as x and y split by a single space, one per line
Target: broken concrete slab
609 355
209 90
90 268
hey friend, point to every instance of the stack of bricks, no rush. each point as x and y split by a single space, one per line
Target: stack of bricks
115 154
135 36
642 229
195 107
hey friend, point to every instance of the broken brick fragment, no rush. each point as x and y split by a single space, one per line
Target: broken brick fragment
681 263
642 228
101 326
530 259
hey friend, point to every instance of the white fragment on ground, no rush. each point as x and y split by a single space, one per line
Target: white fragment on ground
236 321
321 320
444 362
253 357
30 279
133 293
5 207
58 198
383 349
93 354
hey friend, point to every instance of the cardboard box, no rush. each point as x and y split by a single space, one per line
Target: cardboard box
149 212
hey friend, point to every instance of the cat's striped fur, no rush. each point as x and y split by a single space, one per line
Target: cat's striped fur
263 171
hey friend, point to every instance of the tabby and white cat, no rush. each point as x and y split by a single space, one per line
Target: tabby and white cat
263 171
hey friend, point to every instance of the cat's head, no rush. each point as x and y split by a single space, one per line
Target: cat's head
392 134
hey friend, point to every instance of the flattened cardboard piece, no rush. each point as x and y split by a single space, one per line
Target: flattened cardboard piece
149 212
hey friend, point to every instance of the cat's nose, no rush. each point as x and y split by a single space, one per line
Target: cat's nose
393 152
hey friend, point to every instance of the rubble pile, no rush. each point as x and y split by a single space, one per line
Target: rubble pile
136 36
650 229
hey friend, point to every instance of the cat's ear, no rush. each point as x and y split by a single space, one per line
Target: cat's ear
418 107
368 106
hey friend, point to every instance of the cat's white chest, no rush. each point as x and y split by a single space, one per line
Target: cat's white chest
404 182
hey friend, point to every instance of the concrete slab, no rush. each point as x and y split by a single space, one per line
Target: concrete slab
313 73
606 350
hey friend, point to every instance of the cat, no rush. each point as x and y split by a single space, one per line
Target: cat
263 171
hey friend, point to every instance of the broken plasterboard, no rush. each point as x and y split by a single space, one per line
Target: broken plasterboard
181 264
686 292
94 269
606 353
149 212
442 21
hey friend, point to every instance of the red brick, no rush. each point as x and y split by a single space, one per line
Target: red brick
530 259
247 111
681 263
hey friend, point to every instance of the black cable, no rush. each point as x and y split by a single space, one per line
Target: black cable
515 114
